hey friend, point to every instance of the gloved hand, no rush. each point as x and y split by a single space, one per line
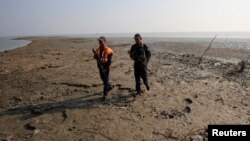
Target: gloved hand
95 56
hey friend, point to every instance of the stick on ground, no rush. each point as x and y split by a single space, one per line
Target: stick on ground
207 48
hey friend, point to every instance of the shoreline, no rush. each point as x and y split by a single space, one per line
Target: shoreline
11 40
148 40
231 55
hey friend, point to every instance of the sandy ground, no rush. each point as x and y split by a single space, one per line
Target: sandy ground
51 90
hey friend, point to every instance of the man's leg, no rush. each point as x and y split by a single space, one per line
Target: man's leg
137 79
144 75
104 80
101 75
106 87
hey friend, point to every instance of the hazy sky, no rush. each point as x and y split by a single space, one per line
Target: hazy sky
43 17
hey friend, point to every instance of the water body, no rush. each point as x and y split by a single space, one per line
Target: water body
8 43
230 35
239 40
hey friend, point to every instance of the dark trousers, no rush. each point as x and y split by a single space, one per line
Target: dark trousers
105 78
140 71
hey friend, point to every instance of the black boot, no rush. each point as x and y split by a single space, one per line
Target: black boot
147 86
138 93
110 87
104 96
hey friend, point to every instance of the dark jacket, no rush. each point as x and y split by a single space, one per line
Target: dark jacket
140 54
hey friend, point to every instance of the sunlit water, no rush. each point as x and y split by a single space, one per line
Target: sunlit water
239 40
7 43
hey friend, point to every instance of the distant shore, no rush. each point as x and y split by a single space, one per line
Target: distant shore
223 48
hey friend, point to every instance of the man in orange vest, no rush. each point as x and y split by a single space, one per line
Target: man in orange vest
104 56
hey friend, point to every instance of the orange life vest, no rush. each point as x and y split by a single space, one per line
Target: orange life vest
105 53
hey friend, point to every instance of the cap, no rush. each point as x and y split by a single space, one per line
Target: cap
102 38
137 35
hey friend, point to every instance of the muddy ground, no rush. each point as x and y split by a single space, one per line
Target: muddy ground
51 90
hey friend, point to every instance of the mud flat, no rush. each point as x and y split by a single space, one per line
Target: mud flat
51 90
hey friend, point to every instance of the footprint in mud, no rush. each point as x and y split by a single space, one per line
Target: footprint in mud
220 100
187 109
188 101
171 114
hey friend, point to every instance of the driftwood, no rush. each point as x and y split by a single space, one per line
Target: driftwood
207 48
242 67
237 70
64 115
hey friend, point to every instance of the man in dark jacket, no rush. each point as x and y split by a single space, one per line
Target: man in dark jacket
140 54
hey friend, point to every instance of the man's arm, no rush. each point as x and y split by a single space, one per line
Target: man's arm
147 53
95 56
132 53
109 59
